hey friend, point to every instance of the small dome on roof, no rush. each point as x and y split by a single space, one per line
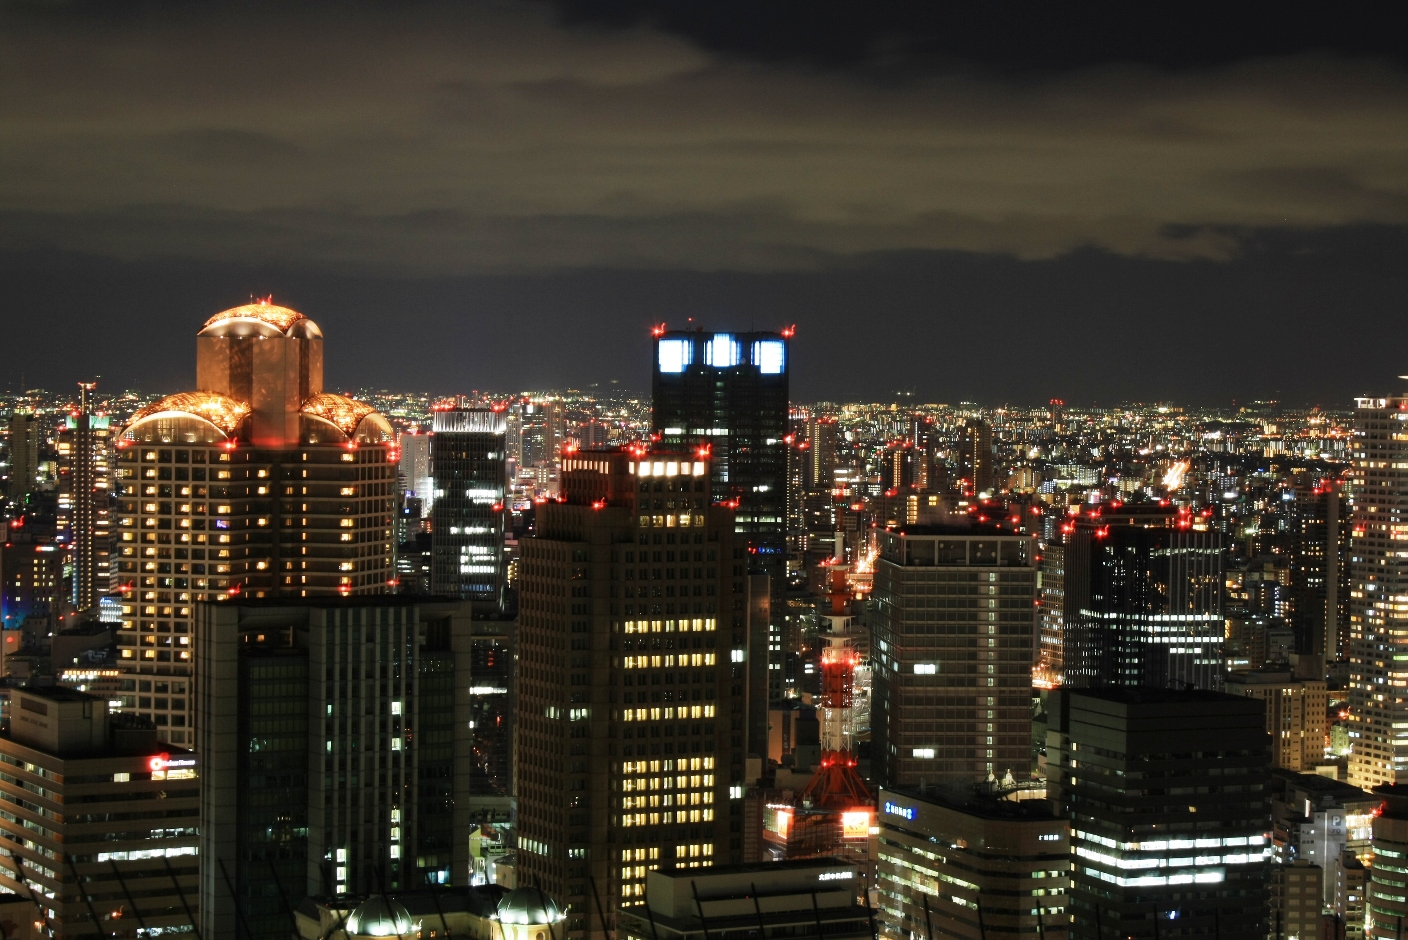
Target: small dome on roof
220 410
380 916
260 317
528 906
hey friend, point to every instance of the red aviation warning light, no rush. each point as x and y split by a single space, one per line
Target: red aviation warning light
657 330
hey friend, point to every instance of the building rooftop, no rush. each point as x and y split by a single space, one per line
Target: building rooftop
975 803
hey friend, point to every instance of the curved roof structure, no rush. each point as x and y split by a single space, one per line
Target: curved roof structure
262 316
380 916
339 410
528 906
222 411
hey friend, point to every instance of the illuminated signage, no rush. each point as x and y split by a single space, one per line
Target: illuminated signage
722 351
770 356
836 876
674 354
162 762
894 809
855 825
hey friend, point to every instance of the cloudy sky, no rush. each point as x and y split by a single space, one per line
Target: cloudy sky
998 206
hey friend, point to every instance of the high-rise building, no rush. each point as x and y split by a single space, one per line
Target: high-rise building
260 484
1319 567
1051 635
974 865
632 681
85 499
100 818
728 393
1378 620
26 441
954 614
1295 713
470 468
1167 795
334 734
415 473
975 463
1144 599
822 453
1386 900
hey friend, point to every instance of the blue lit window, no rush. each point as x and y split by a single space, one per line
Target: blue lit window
770 356
722 351
674 354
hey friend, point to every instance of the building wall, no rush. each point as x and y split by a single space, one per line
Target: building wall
469 467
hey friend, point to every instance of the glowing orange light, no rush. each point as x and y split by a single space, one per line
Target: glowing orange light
658 330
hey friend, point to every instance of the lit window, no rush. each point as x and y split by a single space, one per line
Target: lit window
770 356
674 354
722 351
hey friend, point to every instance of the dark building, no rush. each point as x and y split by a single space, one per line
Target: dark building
1167 793
975 456
1319 562
633 641
1143 596
953 622
470 469
25 443
336 737
728 393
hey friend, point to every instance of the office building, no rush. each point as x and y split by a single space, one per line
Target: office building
1386 894
1167 795
85 499
1295 713
976 457
100 818
415 476
492 694
1144 599
335 737
1378 620
26 440
1319 567
727 393
258 485
632 681
954 862
822 453
953 620
1051 616
470 469
771 901
1296 890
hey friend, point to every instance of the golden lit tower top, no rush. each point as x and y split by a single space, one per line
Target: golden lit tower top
267 355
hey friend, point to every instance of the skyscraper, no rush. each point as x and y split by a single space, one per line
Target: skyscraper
822 453
470 469
951 648
1378 619
976 456
335 736
1319 556
1168 797
728 392
85 497
633 647
260 484
415 467
26 440
1143 595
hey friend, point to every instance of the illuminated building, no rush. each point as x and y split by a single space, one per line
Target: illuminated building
482 913
491 722
954 618
770 901
1167 794
1329 824
729 392
632 692
469 467
1386 893
261 484
100 818
414 471
85 511
1295 714
976 456
1319 563
26 440
32 579
1051 638
334 734
821 454
955 863
1144 599
1378 617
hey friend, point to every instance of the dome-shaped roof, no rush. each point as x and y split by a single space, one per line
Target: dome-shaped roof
220 410
528 906
380 916
260 317
346 413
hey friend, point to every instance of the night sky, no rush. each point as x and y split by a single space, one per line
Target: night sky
992 202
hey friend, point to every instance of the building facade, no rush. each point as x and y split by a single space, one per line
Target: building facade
1167 793
970 863
1295 714
101 819
1378 620
258 485
470 470
953 621
632 679
336 736
85 499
